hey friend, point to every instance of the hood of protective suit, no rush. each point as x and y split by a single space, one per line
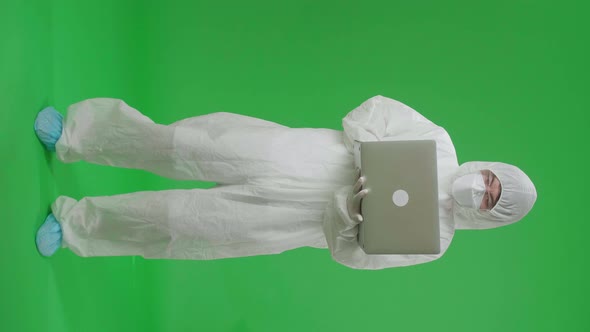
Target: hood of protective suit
517 197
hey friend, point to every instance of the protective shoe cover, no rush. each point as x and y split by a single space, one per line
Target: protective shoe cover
48 127
49 236
517 197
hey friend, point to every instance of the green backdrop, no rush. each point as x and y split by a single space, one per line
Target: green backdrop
507 79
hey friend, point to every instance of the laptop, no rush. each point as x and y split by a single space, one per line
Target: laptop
400 212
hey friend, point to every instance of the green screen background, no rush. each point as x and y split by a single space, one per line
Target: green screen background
507 79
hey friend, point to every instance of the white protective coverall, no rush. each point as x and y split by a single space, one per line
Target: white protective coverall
278 188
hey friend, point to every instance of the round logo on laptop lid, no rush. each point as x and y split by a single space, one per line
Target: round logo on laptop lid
400 197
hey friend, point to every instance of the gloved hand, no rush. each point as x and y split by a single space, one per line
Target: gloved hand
353 201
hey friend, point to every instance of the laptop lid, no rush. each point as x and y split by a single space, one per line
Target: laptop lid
400 212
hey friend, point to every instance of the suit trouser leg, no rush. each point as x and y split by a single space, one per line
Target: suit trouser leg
107 131
220 147
221 222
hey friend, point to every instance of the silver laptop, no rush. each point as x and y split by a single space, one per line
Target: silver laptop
400 212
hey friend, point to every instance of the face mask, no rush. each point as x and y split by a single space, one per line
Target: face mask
468 190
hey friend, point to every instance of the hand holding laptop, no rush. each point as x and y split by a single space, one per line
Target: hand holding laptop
353 201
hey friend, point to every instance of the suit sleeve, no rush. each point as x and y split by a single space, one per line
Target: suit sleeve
381 118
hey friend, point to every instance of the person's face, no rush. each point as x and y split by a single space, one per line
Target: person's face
493 190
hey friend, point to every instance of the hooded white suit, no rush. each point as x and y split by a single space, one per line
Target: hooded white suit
278 189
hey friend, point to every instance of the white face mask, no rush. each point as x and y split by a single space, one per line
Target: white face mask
468 190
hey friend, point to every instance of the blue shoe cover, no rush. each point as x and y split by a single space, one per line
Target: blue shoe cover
49 236
48 126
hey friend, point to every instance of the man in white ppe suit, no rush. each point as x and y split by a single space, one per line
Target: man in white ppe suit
278 188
